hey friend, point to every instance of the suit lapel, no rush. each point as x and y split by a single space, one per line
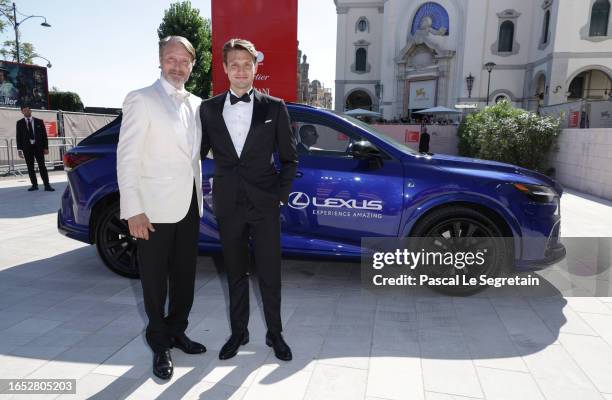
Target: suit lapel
218 111
260 108
194 102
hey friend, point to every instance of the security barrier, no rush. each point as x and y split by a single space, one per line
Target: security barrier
64 129
16 165
5 157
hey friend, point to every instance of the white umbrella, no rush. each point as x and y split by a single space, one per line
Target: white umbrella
438 110
360 112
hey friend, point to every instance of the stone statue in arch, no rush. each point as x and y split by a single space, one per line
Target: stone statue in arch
426 28
431 19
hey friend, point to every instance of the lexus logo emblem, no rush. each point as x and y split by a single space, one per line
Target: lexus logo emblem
299 200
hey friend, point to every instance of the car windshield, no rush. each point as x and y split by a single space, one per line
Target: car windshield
379 135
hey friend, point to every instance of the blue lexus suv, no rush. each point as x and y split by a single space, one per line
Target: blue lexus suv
352 182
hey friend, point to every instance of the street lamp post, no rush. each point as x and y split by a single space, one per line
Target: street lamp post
15 23
469 80
47 60
489 66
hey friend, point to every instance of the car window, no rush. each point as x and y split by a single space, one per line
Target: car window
379 135
315 135
320 138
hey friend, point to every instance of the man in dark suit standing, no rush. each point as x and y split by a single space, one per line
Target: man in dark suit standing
32 144
424 140
244 127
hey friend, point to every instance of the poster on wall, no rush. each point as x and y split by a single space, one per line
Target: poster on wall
23 84
574 119
272 27
422 94
568 114
600 114
411 136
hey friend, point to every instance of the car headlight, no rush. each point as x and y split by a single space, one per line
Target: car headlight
539 193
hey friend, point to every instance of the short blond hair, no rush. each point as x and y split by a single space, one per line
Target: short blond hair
239 44
177 39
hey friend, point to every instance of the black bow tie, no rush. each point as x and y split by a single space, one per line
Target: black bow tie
245 97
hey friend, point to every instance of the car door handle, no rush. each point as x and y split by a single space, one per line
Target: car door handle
299 174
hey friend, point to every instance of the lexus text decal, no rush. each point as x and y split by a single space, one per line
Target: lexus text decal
337 207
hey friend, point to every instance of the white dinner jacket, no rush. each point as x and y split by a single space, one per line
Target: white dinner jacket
155 170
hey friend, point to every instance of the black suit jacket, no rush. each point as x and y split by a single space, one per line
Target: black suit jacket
253 171
424 142
40 135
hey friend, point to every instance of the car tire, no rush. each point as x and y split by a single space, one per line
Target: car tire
462 228
114 244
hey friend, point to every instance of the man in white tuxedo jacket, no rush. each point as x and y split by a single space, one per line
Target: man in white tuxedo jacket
160 185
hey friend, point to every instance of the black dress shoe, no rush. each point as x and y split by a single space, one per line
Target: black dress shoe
33 188
282 351
230 348
162 365
187 345
48 188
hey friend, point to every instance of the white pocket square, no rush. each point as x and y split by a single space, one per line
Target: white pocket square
268 121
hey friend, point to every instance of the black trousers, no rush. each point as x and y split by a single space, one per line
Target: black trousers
30 154
263 227
167 263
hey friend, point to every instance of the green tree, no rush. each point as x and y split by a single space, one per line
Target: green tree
27 53
9 50
7 8
507 134
65 101
183 20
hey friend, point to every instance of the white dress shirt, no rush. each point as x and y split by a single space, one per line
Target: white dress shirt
238 120
179 100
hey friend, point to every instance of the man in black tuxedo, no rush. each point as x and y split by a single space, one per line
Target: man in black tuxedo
32 144
424 141
244 127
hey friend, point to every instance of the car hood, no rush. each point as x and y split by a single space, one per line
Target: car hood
493 170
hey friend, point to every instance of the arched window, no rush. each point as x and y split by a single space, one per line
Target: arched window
600 14
591 84
501 97
362 24
360 59
506 36
358 99
546 26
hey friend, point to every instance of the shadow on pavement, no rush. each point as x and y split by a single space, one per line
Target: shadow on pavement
17 202
70 309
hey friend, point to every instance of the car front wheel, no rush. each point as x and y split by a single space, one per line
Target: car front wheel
462 230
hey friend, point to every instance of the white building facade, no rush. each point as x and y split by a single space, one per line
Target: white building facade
398 56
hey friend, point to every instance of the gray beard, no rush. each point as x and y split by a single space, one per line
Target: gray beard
180 84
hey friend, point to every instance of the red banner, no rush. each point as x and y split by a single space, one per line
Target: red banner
51 127
574 119
411 136
272 26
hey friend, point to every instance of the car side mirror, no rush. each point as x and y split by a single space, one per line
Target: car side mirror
364 150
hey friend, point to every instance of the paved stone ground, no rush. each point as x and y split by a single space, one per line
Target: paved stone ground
63 314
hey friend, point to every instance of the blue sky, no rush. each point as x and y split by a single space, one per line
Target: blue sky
104 49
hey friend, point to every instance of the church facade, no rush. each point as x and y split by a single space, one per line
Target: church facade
399 56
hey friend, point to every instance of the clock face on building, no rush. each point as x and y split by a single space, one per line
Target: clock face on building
431 16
